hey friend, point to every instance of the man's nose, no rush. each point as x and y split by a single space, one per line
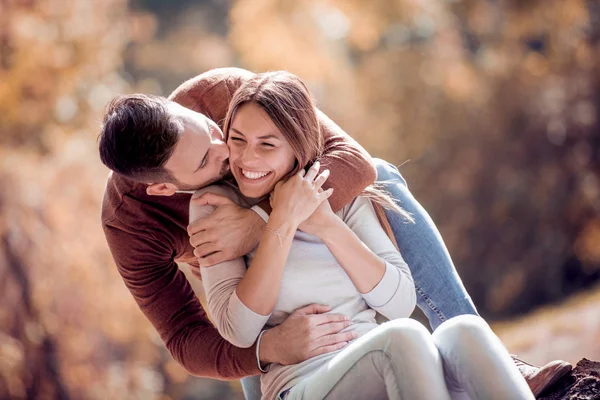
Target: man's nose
223 153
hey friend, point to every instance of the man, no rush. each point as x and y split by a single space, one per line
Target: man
159 150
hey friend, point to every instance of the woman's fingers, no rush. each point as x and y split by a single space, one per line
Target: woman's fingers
312 171
324 195
321 179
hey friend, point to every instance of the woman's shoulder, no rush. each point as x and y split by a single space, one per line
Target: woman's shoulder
360 204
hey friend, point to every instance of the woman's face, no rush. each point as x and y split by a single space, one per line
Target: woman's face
259 154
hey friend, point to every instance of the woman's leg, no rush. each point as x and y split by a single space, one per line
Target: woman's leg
397 360
440 292
476 362
251 387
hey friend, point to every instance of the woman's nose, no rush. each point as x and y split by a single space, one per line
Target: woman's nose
249 154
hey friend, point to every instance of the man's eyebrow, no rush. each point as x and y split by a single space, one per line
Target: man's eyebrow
205 154
269 136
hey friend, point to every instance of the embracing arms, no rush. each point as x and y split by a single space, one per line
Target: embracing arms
241 300
350 164
167 300
351 167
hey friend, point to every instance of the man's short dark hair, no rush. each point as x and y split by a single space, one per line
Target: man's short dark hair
138 136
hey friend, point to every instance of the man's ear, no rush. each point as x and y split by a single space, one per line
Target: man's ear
161 189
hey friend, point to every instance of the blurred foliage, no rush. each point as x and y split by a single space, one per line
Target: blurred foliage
496 106
493 108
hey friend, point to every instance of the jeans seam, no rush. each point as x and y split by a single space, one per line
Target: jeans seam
430 304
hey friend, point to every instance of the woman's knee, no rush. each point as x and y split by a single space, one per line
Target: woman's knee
387 171
463 331
402 335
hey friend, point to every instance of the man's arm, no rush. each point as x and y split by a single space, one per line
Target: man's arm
351 166
168 301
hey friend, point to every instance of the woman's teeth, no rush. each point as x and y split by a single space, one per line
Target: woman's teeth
254 175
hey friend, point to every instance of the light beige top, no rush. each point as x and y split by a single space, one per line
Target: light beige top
311 275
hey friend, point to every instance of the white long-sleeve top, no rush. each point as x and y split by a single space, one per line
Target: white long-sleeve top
311 275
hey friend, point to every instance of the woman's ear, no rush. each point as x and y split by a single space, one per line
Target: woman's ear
161 189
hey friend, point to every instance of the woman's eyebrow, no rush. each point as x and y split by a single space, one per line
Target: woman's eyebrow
269 136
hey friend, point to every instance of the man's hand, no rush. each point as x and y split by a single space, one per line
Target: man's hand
229 232
306 333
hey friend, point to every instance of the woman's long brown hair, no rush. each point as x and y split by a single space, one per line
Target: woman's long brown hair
287 101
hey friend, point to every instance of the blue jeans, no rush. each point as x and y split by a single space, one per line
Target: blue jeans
440 292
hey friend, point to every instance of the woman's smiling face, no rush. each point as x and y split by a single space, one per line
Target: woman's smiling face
259 154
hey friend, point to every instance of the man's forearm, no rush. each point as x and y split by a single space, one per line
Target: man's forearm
203 352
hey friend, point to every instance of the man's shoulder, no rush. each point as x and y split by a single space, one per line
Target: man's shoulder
126 205
191 93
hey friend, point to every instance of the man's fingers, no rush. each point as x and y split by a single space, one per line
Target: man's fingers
331 328
212 259
329 340
313 309
196 271
197 225
200 238
212 199
328 318
205 249
312 171
327 349
321 179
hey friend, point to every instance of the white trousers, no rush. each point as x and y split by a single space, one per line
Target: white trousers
401 360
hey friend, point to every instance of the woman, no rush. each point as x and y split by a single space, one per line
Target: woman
308 254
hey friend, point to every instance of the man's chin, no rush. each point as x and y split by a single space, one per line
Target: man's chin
224 174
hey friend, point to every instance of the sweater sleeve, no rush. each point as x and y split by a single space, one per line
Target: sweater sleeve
238 324
161 290
394 296
351 166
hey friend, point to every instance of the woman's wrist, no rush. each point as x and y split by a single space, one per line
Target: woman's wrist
284 224
330 229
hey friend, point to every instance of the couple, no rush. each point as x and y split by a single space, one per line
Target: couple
159 148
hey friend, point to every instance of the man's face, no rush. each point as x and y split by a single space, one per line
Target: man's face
200 156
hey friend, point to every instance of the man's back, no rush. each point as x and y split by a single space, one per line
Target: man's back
147 233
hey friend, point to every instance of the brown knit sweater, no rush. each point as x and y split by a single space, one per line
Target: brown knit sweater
147 234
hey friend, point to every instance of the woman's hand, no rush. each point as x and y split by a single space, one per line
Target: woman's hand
297 198
320 220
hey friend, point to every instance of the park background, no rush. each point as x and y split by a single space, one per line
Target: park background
492 109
